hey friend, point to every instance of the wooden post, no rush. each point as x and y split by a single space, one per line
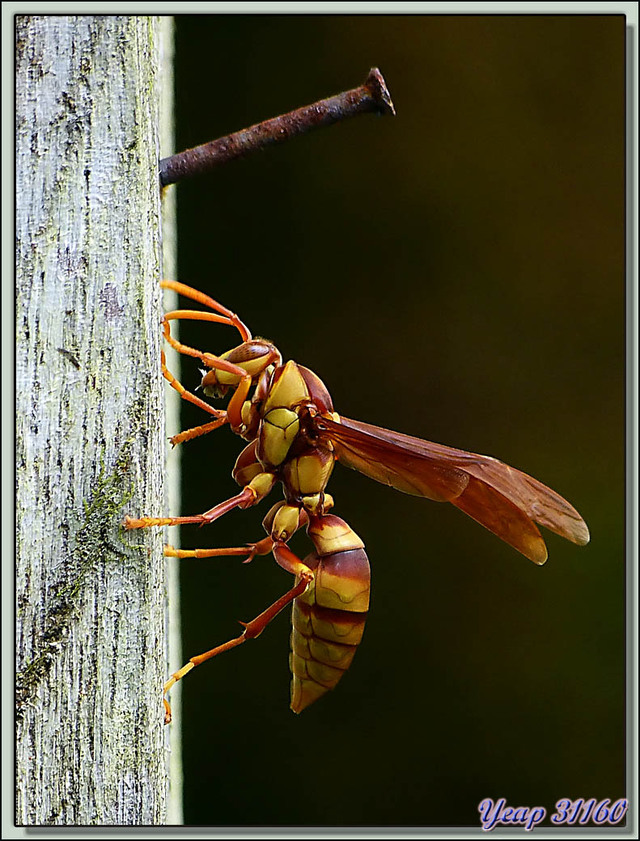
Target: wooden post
90 746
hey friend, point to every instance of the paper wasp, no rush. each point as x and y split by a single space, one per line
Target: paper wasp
295 437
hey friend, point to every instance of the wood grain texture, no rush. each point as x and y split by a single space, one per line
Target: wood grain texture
90 746
172 404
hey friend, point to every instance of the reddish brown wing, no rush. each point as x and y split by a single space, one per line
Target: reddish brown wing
392 461
501 498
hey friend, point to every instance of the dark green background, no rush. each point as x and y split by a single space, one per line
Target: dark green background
455 273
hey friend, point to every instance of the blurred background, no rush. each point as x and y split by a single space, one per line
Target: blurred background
455 273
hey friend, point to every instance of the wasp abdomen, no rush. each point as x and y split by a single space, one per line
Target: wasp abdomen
328 619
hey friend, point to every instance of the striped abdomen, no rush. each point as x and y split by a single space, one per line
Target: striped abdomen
329 617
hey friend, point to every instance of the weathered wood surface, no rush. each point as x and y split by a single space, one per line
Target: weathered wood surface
172 404
90 744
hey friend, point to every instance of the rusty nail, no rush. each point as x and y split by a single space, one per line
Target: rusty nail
372 97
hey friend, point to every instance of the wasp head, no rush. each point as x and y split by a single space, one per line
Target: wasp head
252 357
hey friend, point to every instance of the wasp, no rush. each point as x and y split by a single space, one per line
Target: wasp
285 413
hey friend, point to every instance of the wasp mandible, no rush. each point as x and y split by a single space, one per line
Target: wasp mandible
295 437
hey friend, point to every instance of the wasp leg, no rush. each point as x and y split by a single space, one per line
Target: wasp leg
230 317
209 359
245 496
197 431
234 409
187 395
251 494
260 547
252 630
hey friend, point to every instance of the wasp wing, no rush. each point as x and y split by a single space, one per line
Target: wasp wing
501 498
393 460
